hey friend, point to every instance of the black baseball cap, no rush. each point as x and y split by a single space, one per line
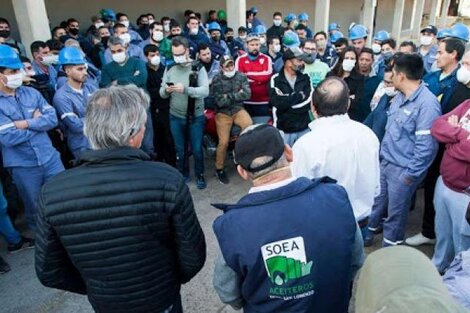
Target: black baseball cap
262 140
430 28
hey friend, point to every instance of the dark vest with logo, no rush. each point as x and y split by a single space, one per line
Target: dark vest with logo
292 246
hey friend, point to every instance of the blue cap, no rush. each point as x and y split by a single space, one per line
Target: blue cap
333 26
460 31
290 17
71 56
382 35
108 14
260 29
357 32
443 33
254 10
214 26
9 58
291 39
303 16
335 36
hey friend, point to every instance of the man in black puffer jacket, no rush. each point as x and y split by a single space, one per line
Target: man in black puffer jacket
118 228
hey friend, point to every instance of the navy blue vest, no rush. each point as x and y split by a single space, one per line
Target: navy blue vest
292 246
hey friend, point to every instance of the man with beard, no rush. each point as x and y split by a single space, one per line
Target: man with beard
291 95
5 36
259 69
314 68
71 99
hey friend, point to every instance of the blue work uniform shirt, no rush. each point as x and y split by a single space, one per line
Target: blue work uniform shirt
26 147
442 89
408 142
71 107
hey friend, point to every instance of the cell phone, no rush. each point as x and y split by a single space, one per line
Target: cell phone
170 84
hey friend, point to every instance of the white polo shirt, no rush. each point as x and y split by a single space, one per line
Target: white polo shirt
346 151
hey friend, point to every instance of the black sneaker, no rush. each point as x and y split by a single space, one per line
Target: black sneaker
25 243
222 177
201 182
4 267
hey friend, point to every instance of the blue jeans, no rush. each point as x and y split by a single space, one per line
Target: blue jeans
6 227
291 138
196 133
29 181
147 141
452 230
395 200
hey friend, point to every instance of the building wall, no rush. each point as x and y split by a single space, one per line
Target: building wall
341 11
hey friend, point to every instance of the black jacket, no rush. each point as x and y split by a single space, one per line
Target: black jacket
119 229
154 82
292 106
358 108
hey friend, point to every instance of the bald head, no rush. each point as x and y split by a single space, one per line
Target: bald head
331 97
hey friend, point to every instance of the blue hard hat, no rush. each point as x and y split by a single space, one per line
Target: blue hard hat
9 58
382 35
335 36
443 33
303 16
291 39
357 32
260 29
290 17
254 10
71 56
333 26
108 14
214 26
460 31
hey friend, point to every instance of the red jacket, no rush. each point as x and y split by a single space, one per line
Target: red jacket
455 165
259 72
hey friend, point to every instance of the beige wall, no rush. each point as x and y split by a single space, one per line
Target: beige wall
342 11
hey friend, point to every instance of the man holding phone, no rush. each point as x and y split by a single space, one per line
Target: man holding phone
186 123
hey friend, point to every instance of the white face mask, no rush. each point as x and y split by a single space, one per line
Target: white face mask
194 31
463 75
390 91
119 57
98 25
348 65
425 40
151 21
243 37
249 25
14 81
166 27
229 74
277 48
126 38
50 59
125 23
376 48
262 40
155 60
157 36
277 22
180 59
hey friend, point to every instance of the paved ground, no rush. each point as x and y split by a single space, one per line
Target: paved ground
21 292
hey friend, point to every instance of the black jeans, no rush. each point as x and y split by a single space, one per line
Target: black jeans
429 187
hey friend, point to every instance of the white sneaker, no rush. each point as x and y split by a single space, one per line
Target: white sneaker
418 240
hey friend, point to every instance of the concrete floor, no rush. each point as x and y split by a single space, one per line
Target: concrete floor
21 292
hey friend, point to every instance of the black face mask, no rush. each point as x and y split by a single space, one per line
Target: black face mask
216 38
5 33
229 39
73 31
104 40
144 26
254 53
310 57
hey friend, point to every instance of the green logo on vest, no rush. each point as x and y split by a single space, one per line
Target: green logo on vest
285 262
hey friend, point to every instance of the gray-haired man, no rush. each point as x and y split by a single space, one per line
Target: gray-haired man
119 228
